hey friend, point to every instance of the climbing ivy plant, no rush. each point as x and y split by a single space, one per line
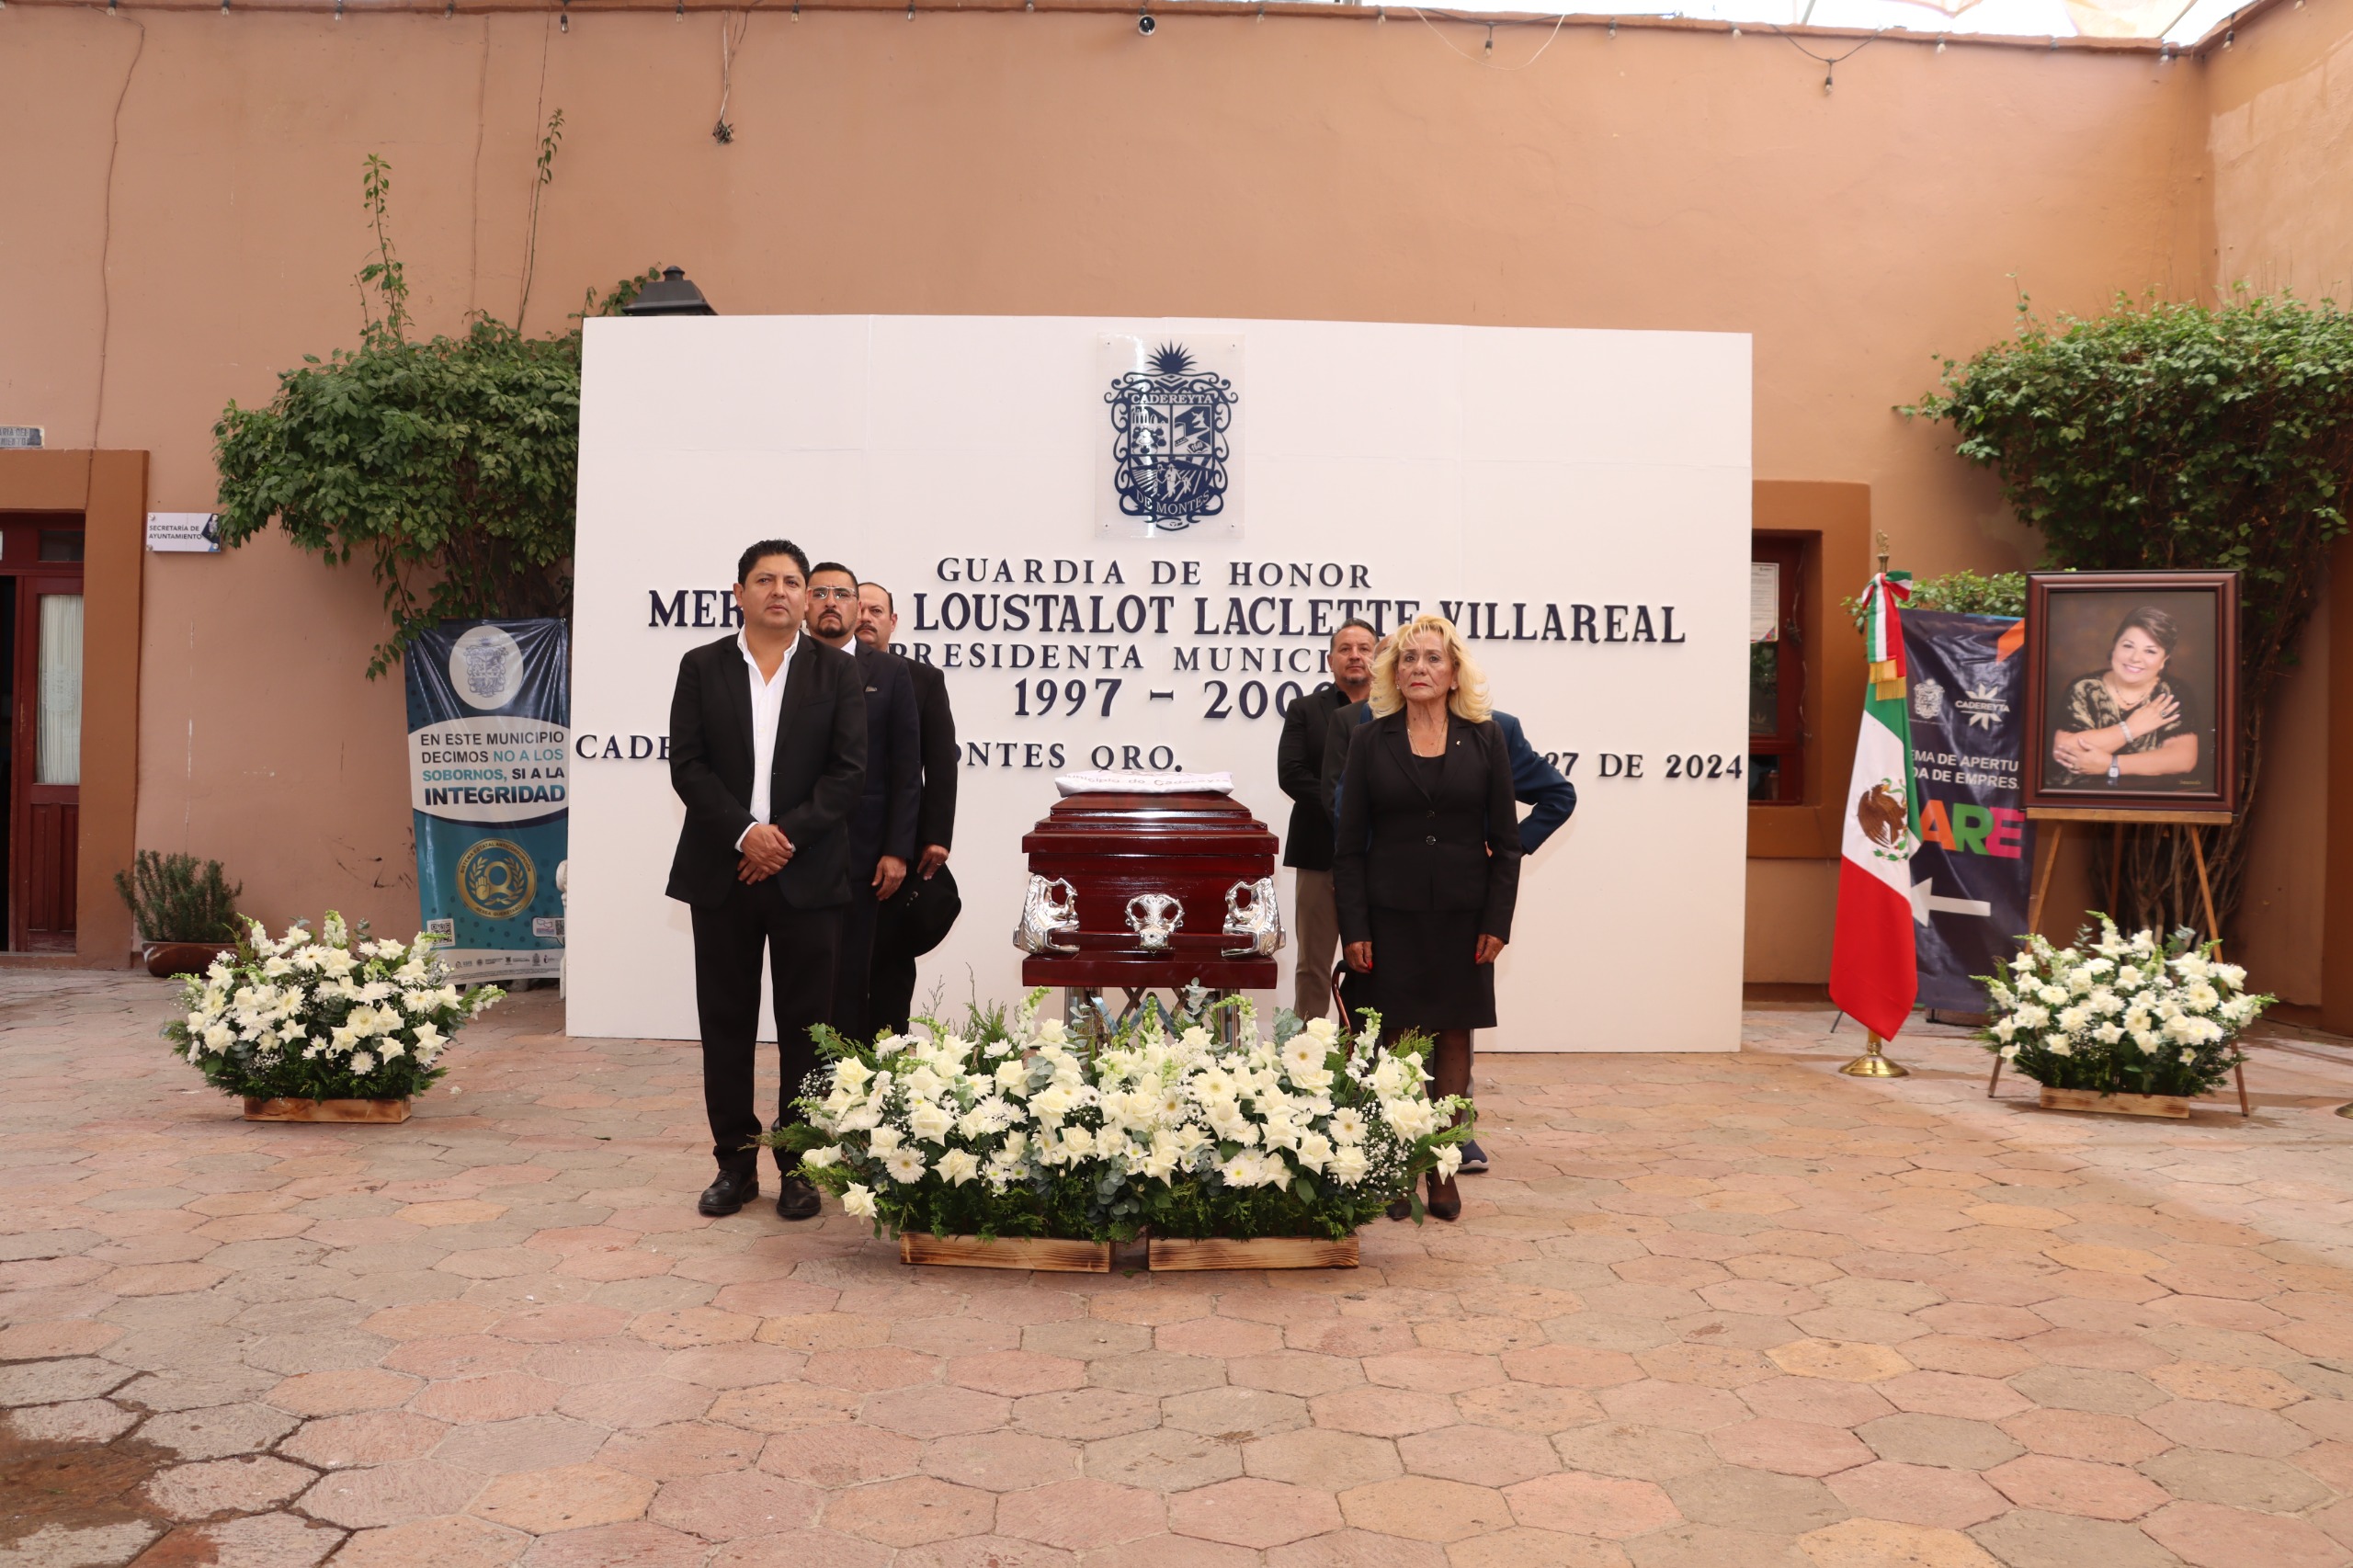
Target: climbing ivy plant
2164 435
447 465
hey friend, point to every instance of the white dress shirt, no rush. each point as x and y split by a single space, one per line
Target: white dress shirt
768 709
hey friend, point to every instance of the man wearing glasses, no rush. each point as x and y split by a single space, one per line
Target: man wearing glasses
882 824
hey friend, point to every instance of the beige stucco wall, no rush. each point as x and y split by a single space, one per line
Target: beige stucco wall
1008 163
2281 107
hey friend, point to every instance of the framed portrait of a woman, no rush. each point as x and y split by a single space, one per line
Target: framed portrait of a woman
2133 691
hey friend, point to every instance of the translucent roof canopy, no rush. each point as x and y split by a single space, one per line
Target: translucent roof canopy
2178 21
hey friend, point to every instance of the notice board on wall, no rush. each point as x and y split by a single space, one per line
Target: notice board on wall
1126 542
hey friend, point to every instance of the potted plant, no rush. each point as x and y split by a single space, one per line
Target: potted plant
328 1027
2140 1024
1022 1146
186 914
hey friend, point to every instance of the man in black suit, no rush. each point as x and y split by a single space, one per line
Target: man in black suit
768 750
1307 847
882 824
892 998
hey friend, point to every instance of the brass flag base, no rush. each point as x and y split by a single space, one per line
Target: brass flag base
1871 1064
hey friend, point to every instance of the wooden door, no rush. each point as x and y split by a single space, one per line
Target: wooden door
44 565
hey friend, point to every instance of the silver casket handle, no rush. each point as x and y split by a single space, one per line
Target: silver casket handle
1045 917
1260 920
1161 916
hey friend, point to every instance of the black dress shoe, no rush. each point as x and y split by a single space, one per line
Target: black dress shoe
1444 1202
1403 1208
729 1193
798 1200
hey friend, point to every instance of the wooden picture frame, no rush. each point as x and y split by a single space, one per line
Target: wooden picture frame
2075 624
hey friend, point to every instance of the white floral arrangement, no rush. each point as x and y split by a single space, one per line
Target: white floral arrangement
2137 1015
1171 1123
333 1014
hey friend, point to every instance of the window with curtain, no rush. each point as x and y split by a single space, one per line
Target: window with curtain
59 757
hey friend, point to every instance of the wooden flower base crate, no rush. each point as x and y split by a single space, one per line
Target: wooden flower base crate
1175 1255
380 1112
1005 1251
2174 1106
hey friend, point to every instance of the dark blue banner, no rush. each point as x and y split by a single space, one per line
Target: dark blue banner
1970 874
489 714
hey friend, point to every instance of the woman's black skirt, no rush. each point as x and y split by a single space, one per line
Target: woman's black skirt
1424 975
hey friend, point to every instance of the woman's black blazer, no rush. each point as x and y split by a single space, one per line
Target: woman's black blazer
1401 846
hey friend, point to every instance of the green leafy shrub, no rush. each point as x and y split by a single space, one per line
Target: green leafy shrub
449 465
2168 436
176 900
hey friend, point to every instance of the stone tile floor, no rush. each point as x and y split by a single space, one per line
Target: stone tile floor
1731 1310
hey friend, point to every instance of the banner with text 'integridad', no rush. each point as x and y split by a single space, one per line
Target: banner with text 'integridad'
489 717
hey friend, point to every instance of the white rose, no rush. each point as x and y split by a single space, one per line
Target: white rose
1323 1030
2058 1048
1347 1166
884 1140
957 1166
1412 1118
819 1158
929 1122
857 1200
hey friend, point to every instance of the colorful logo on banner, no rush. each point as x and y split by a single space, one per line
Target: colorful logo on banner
1970 869
489 716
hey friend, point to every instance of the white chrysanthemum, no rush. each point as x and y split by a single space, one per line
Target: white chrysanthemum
1347 1125
362 1062
904 1165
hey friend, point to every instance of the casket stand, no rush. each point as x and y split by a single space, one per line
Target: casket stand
1113 854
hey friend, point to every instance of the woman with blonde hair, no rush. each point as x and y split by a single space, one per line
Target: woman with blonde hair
1427 868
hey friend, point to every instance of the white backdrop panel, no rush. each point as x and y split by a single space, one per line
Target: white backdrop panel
1601 478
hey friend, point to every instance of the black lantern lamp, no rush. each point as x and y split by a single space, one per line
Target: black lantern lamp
669 295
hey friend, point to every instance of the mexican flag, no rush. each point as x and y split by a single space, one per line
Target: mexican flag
1874 972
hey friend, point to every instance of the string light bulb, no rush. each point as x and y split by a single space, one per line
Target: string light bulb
1941 46
564 23
1490 49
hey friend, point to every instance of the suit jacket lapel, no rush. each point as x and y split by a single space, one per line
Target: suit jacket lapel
1401 745
737 680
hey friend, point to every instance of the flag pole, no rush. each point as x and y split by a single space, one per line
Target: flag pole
1873 1062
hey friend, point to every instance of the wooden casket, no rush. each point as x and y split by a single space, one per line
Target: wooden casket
1112 849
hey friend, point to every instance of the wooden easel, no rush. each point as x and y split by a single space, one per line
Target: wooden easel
2055 820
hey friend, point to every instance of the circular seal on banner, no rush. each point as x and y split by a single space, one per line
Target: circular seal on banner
485 667
497 878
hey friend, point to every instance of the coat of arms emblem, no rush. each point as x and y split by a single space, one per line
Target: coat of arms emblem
1927 699
1170 442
